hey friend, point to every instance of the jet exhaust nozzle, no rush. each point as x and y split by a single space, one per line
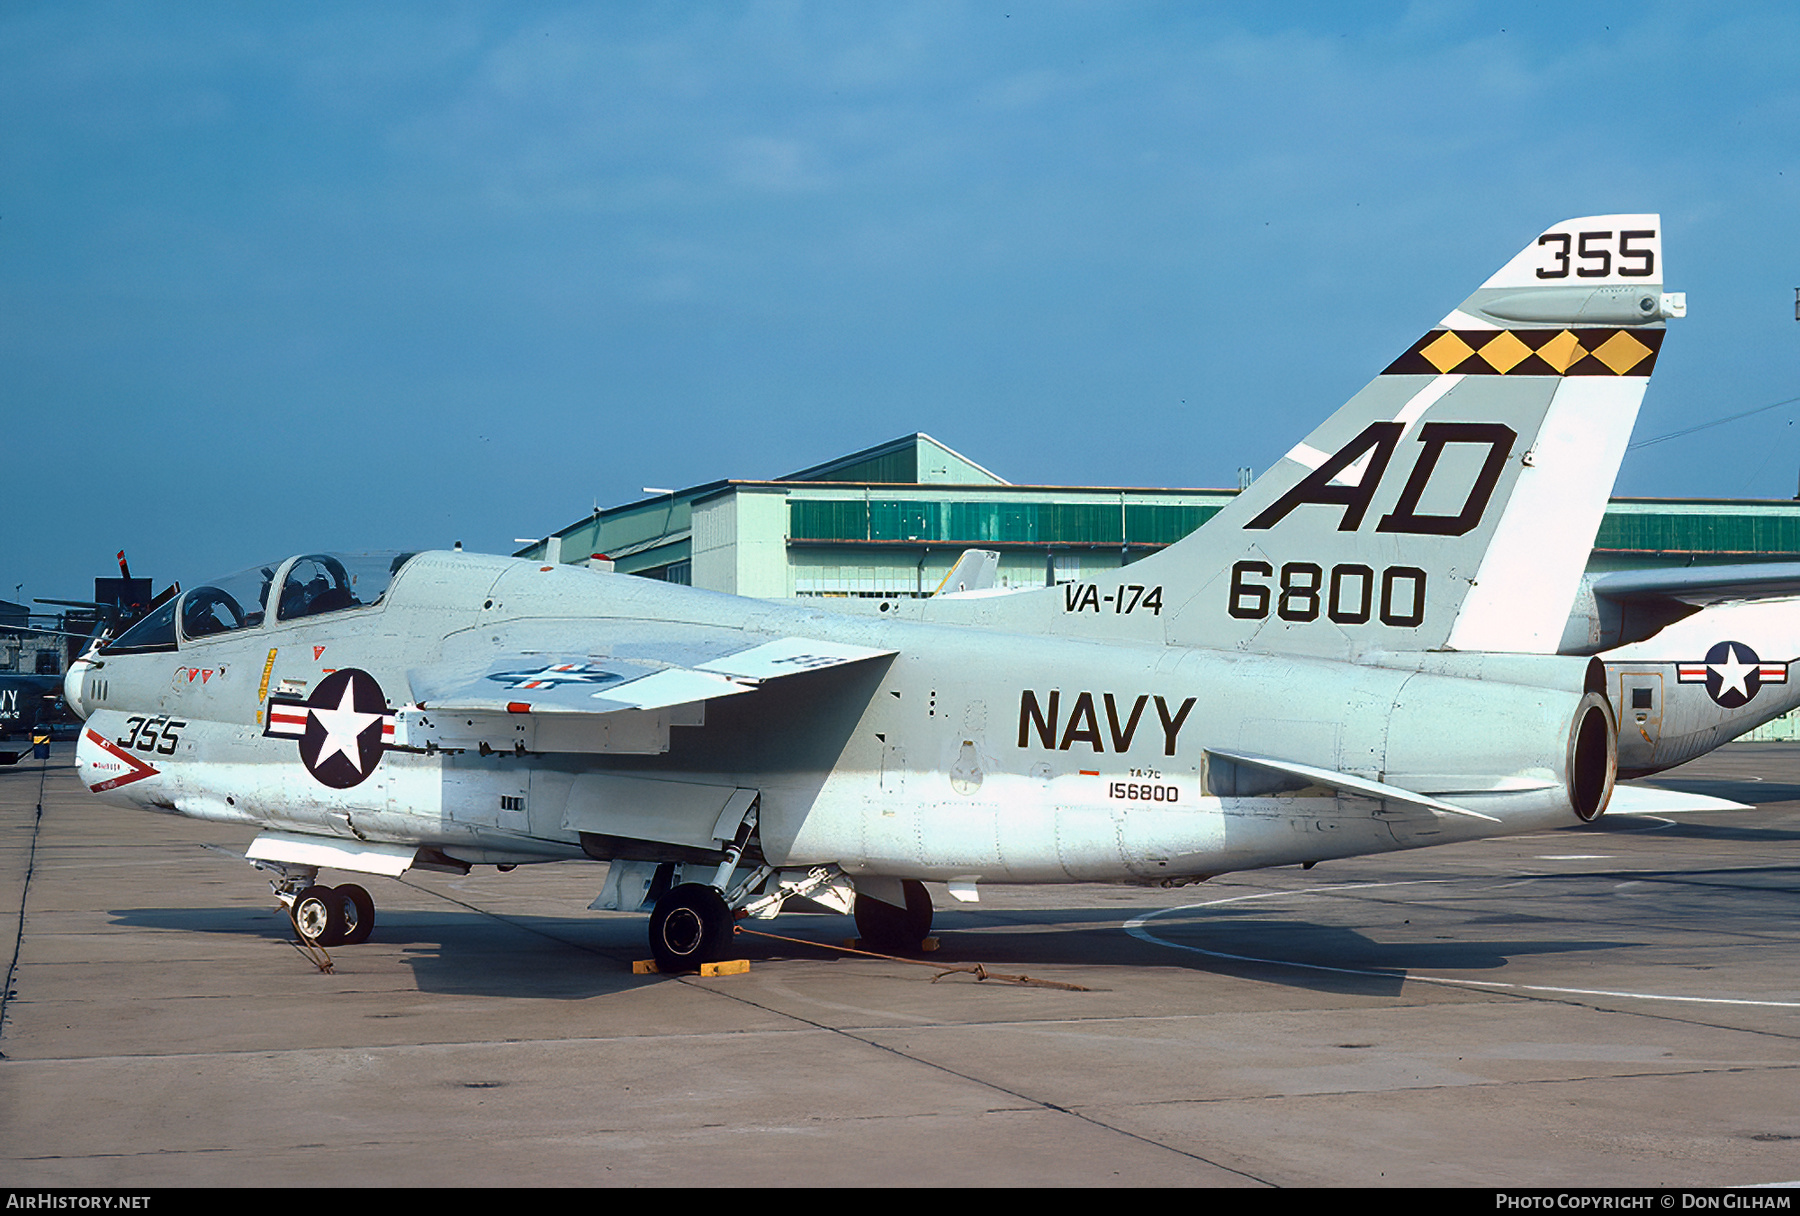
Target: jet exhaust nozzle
1593 757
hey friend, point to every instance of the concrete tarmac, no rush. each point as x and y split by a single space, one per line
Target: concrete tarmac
1607 1006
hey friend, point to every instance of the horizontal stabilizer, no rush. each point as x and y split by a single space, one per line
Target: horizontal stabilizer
1649 800
1621 607
1361 787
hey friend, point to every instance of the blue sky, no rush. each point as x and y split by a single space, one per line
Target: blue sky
276 278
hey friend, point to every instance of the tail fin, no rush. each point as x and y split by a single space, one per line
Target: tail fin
974 572
1453 502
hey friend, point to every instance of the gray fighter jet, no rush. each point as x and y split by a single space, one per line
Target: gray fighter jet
1355 656
1712 663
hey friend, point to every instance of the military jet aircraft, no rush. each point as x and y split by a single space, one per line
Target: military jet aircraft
1354 656
28 704
1716 665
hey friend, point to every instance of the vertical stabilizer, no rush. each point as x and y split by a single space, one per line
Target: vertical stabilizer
1452 503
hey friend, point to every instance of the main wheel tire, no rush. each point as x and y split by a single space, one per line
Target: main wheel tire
885 927
318 916
358 911
691 925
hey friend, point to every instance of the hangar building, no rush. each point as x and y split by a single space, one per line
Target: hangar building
892 519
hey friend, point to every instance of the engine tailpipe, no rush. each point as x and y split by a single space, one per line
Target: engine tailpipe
1593 757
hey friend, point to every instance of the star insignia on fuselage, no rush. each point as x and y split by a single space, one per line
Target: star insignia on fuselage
1732 673
342 728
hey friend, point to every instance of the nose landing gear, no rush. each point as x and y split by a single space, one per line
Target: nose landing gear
334 916
322 916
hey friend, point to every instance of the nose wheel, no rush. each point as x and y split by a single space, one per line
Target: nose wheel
333 916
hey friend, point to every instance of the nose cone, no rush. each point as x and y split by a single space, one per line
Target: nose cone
73 684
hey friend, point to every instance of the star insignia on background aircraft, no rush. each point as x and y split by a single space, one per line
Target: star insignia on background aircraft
1732 673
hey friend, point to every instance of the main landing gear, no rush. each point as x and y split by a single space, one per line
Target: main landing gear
322 916
882 926
694 922
690 925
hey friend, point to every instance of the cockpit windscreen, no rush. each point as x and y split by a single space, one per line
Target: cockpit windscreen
331 582
314 584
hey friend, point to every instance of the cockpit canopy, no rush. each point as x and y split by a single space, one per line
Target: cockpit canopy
311 585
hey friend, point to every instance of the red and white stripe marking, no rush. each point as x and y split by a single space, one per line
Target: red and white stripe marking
288 720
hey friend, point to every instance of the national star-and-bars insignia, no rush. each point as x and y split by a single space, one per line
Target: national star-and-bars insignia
342 728
555 674
1732 674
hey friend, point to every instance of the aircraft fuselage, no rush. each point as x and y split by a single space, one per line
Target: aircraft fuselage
969 754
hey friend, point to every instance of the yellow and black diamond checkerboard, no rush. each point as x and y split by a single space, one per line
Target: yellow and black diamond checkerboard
1531 352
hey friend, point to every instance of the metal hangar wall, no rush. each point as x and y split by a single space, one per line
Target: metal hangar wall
892 519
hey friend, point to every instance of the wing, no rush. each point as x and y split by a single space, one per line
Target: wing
1632 605
601 703
1701 586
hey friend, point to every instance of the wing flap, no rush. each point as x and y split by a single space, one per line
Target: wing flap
789 656
659 690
